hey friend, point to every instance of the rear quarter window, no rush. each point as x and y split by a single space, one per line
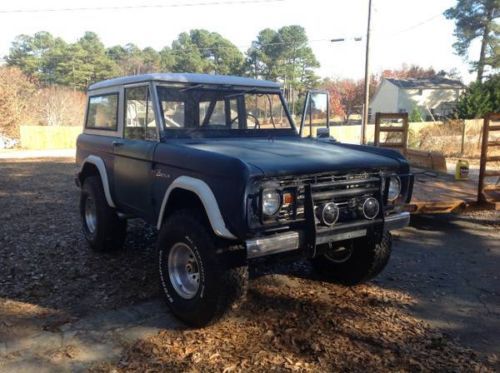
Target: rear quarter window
102 112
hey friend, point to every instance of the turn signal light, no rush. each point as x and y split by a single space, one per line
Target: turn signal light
288 198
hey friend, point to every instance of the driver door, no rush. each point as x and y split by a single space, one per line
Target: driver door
133 154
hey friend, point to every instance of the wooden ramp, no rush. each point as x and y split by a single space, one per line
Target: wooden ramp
434 190
439 193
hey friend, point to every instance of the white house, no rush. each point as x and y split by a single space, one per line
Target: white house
435 97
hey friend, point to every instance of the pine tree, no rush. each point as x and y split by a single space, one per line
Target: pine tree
476 19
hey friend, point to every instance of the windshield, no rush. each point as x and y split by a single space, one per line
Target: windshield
205 109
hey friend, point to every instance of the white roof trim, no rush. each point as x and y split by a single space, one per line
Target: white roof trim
187 78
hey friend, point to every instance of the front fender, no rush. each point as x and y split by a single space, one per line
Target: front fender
206 196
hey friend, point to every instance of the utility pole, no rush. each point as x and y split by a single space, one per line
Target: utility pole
367 77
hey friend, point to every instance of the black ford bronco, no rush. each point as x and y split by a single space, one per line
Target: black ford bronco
217 164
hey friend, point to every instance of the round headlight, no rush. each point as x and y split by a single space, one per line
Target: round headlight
394 188
271 202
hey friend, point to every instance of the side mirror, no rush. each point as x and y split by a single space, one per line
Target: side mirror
316 112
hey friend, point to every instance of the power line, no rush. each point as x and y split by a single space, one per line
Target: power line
416 25
420 23
129 7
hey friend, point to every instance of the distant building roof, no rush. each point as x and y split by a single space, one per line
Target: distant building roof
187 78
435 82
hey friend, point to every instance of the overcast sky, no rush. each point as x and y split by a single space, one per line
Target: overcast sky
404 31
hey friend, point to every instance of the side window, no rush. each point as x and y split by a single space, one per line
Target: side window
102 112
139 114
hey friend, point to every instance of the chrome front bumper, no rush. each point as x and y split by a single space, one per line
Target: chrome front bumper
289 241
396 221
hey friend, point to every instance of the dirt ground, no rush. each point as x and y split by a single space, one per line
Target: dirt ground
436 307
48 269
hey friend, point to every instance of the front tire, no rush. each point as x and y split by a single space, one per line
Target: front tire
102 228
356 262
197 285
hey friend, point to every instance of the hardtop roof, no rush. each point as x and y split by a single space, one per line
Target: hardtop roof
189 78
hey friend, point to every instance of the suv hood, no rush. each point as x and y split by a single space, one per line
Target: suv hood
297 156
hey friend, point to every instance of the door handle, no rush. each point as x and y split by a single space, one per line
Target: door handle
117 143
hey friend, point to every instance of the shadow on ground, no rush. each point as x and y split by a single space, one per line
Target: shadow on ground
450 265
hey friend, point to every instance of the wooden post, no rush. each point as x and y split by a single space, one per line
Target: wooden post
482 164
376 136
404 140
366 108
462 147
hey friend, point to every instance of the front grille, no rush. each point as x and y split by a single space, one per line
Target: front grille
347 191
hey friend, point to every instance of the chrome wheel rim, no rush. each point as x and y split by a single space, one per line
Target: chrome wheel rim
184 270
90 215
339 254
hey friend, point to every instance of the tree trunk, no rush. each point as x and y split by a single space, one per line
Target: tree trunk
484 43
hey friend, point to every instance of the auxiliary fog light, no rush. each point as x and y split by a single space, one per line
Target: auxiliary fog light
370 208
328 214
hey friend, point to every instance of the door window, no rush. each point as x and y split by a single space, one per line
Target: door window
140 121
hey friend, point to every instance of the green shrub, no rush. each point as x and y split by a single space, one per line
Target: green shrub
415 115
479 99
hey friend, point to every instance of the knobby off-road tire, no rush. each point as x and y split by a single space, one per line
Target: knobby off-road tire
187 245
366 261
102 228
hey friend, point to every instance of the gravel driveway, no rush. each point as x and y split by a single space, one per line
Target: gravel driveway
436 306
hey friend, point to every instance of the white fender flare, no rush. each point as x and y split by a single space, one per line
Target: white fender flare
99 163
205 194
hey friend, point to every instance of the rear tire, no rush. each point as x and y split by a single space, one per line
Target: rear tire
197 286
102 228
366 260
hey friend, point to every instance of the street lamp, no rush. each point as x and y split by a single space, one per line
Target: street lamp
357 38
